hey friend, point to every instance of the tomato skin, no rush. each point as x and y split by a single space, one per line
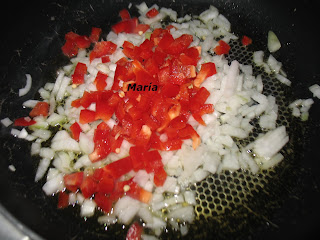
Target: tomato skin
134 232
105 184
100 81
24 122
87 116
118 168
246 40
222 48
152 13
88 187
79 72
126 26
75 131
103 202
73 181
95 34
124 14
101 49
63 200
40 109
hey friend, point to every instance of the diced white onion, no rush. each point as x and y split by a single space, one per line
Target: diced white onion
26 89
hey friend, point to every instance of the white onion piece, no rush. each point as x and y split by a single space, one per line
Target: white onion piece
87 208
42 168
6 122
126 208
54 185
268 145
26 89
315 89
273 42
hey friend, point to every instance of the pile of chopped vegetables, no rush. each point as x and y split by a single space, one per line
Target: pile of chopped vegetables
139 115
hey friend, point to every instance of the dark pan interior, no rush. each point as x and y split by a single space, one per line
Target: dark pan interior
32 36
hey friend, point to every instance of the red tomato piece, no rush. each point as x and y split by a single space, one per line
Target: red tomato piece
105 59
87 116
88 98
180 44
40 109
63 200
160 176
24 122
152 13
222 48
166 41
178 122
79 72
70 49
118 168
75 131
124 14
83 42
103 202
141 28
207 70
95 34
126 26
246 41
152 161
105 185
137 157
138 193
88 186
100 81
134 232
102 48
73 181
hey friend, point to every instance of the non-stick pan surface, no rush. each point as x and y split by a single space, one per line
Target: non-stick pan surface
32 35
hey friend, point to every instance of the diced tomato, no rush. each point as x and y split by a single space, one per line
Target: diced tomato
105 59
246 41
160 176
137 157
63 200
75 131
207 70
180 44
103 202
40 109
119 167
126 26
141 28
222 48
70 49
88 186
102 48
138 193
24 122
87 99
105 185
134 232
83 42
152 161
100 81
152 13
79 72
124 14
166 41
95 34
73 181
87 116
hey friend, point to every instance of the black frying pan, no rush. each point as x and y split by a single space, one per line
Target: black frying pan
32 35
